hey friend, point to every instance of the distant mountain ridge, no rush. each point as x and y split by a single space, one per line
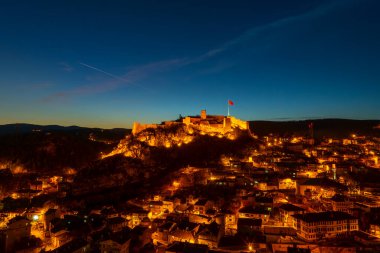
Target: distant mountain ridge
20 128
338 128
322 127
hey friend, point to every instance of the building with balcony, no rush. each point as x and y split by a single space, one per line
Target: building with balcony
316 226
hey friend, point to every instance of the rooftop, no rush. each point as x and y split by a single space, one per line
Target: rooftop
339 198
71 246
201 202
18 218
256 210
324 216
249 222
121 237
290 207
323 182
187 248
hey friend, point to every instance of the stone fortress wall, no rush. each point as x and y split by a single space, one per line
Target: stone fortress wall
216 124
137 127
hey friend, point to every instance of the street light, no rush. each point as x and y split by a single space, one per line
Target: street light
250 247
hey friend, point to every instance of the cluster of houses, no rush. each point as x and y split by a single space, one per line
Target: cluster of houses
287 195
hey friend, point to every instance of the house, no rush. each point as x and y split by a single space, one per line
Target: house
35 185
182 247
64 188
209 234
293 248
141 239
58 232
234 244
191 200
50 214
17 228
116 224
202 205
156 223
162 232
374 229
198 218
74 246
248 225
264 201
184 232
168 205
286 183
296 249
319 187
254 212
240 244
247 200
315 226
156 208
230 223
276 231
146 222
59 236
287 211
137 216
341 203
116 243
26 193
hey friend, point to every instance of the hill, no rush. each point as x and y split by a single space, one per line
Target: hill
335 128
50 149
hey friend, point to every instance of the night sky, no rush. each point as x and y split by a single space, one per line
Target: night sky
109 63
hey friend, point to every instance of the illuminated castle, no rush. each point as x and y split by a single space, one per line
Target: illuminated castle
219 124
178 132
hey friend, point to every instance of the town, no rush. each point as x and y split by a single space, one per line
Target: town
281 194
189 126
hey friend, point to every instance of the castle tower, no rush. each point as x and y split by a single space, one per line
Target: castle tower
136 128
203 114
227 124
186 120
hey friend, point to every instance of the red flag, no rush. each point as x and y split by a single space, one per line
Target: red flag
230 102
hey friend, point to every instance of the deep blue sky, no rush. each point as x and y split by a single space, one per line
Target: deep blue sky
109 63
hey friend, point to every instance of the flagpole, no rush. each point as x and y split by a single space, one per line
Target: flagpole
228 108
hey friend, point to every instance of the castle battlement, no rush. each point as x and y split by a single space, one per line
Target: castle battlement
206 123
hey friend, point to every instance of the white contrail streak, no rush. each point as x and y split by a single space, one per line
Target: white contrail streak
120 78
105 72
